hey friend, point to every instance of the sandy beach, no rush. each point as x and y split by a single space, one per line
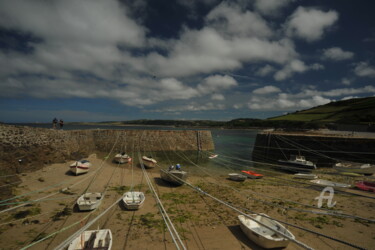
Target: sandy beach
202 222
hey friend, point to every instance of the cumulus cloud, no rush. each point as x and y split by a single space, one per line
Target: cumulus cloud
337 54
345 81
216 83
265 70
218 97
271 7
364 69
266 90
310 23
290 68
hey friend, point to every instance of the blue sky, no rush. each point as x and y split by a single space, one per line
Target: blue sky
184 59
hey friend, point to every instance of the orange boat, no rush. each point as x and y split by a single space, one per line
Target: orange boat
252 174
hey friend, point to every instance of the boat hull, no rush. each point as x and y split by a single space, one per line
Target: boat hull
170 176
79 167
89 201
305 176
252 175
295 167
237 177
133 200
121 159
93 239
358 168
366 186
148 162
330 183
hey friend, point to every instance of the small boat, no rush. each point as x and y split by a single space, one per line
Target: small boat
263 236
351 174
213 156
355 167
252 174
149 162
122 158
237 177
330 183
89 201
80 167
173 175
296 164
366 185
93 239
133 200
305 176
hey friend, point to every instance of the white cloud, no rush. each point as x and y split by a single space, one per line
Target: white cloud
364 69
345 81
337 54
266 90
218 97
290 68
271 7
316 66
310 23
265 70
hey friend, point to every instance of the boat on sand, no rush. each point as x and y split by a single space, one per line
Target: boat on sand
93 239
149 162
237 177
122 158
327 183
133 200
305 176
366 185
89 201
355 167
173 175
252 174
80 167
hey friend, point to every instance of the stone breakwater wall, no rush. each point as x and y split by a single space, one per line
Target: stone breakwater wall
321 149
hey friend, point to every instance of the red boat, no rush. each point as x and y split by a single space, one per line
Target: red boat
252 175
366 185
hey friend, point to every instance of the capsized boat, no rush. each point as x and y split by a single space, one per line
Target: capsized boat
93 239
252 174
330 183
173 175
89 201
149 162
122 158
296 164
237 177
355 167
133 200
263 236
80 167
305 176
366 185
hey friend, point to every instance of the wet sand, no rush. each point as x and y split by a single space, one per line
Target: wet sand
201 222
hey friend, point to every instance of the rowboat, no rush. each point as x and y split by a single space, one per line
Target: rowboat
133 200
305 176
252 174
355 167
93 239
366 185
89 201
262 235
122 158
80 167
296 164
149 162
237 177
173 176
330 183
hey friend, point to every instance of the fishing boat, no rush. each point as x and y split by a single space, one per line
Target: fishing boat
355 167
296 164
366 185
93 239
262 235
173 175
89 201
122 158
133 200
237 177
252 174
80 167
327 183
149 162
305 176
213 156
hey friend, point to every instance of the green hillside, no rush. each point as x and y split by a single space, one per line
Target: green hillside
352 111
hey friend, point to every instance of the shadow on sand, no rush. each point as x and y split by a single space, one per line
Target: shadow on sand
242 238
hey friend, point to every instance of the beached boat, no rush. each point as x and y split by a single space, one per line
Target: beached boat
366 185
355 167
80 167
213 156
133 200
89 201
122 158
330 183
252 174
149 162
237 177
263 236
173 176
305 176
296 164
93 239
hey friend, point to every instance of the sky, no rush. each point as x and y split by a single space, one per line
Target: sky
94 60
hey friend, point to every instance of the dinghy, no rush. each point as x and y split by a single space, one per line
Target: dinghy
93 239
122 158
330 183
149 162
355 167
263 236
237 177
296 164
89 201
213 156
366 185
133 200
173 175
252 174
305 176
80 167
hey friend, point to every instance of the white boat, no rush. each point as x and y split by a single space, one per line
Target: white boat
149 162
93 239
305 176
122 158
355 167
237 177
89 201
173 176
263 236
80 167
133 200
327 183
297 163
213 156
